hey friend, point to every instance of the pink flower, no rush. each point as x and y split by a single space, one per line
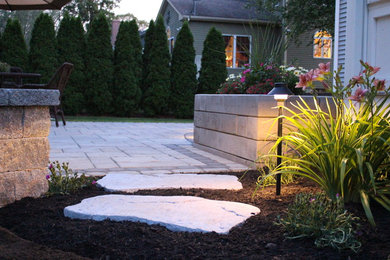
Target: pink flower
246 71
242 79
380 84
246 65
370 69
323 68
269 67
93 182
305 80
47 177
359 94
312 200
51 166
358 79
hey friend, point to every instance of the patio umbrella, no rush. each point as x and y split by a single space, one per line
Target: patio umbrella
32 4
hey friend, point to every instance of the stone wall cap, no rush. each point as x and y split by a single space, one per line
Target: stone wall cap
29 97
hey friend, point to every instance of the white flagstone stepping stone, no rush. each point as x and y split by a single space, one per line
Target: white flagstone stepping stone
177 213
125 182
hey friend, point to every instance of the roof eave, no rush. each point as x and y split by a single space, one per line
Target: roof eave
224 20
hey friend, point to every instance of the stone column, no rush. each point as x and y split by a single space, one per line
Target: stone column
24 145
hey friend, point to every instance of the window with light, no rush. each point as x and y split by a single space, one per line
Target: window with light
322 45
237 50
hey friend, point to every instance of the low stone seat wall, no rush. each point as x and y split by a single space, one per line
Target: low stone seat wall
24 145
239 127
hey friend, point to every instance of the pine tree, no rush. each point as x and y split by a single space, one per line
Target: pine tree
158 78
71 47
137 51
127 93
14 49
213 71
43 52
99 67
149 36
183 74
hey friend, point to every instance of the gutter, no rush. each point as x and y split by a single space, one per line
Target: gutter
223 20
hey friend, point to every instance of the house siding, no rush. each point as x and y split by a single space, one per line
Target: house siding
342 37
173 21
302 54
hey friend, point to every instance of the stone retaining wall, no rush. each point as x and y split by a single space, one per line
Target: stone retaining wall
24 146
239 127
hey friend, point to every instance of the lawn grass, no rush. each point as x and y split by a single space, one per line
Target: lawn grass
126 119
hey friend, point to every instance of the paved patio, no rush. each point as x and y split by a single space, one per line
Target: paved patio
148 148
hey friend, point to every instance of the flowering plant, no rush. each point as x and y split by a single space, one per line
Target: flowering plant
260 79
345 151
62 180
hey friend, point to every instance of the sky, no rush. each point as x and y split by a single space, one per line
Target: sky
142 9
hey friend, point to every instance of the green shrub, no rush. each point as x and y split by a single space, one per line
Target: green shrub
63 180
71 48
99 67
318 217
342 147
43 48
183 74
4 67
14 48
149 38
213 71
158 80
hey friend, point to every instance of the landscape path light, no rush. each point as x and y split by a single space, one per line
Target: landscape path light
281 93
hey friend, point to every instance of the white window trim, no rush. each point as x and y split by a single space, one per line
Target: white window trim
235 48
170 39
322 49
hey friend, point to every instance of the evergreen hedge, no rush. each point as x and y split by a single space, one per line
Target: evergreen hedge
43 52
71 47
149 36
137 51
99 67
213 71
183 74
158 78
13 46
127 93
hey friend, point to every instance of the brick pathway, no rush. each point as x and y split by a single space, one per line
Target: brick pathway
100 148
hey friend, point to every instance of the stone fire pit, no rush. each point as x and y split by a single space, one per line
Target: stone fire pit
24 145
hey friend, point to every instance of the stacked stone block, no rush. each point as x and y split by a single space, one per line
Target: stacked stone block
24 145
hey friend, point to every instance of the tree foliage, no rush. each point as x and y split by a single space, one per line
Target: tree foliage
300 16
142 24
149 37
183 74
43 52
213 71
126 89
14 49
71 47
99 69
158 78
87 10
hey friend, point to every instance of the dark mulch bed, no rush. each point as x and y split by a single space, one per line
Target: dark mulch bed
42 222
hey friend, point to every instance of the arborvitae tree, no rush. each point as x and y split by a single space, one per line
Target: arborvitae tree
213 71
183 74
149 36
158 78
137 51
71 47
99 67
43 51
126 89
14 49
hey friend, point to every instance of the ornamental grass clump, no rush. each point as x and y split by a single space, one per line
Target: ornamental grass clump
63 180
316 216
344 145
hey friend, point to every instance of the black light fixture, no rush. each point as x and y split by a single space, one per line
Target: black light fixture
280 93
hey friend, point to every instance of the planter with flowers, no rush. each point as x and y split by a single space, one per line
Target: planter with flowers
237 122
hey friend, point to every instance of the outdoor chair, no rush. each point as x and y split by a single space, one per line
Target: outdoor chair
12 84
58 81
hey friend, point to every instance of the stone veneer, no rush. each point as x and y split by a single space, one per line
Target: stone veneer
24 145
239 127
